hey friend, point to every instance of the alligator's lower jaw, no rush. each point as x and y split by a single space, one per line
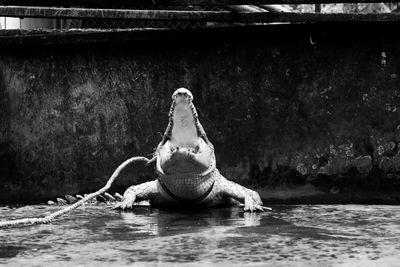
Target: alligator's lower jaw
183 161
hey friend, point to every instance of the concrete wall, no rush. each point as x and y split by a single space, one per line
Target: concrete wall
283 105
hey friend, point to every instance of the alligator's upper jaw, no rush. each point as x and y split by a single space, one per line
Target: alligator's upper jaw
184 131
184 150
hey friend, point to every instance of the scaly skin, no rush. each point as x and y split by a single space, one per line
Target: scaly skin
186 167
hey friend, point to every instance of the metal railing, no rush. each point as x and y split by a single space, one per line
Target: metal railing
188 14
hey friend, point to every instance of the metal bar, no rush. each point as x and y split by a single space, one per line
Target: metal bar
212 16
90 13
162 3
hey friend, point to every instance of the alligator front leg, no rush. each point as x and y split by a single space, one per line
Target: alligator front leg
251 199
136 193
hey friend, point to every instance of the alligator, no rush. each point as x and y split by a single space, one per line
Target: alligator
186 167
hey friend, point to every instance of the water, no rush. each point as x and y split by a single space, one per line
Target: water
322 235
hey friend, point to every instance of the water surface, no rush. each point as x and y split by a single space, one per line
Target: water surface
327 235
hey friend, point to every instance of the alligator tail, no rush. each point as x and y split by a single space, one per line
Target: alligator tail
52 216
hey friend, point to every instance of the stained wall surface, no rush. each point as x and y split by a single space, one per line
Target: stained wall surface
283 106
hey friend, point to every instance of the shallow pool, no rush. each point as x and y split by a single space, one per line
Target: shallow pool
356 235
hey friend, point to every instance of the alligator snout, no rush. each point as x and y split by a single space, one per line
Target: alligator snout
182 91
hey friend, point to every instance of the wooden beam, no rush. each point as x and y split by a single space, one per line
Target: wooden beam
159 4
211 16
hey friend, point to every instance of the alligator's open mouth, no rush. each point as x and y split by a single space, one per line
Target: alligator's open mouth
185 147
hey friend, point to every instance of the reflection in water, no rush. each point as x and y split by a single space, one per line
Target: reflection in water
252 219
289 235
167 222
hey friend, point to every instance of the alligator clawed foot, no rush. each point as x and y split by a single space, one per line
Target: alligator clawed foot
126 203
256 208
252 206
266 208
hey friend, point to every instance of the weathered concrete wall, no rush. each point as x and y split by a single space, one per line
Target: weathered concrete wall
283 106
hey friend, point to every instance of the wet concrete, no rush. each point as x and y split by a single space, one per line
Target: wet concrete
331 235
